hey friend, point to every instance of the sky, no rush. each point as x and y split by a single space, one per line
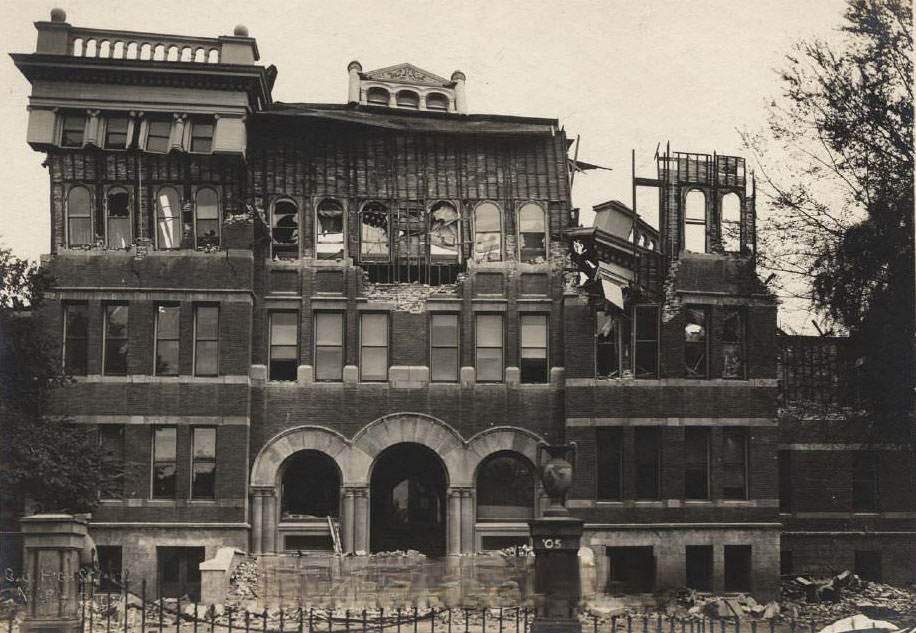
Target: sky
620 75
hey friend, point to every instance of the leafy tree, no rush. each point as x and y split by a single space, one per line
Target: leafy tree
838 174
44 459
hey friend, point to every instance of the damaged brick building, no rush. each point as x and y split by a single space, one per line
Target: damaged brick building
316 327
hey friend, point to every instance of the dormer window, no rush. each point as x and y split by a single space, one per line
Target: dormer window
437 101
408 99
377 96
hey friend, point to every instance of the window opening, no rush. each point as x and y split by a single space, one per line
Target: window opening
206 341
489 347
734 464
609 458
696 462
733 344
695 222
168 220
76 338
203 463
329 332
115 353
731 222
167 327
443 354
284 345
646 340
534 364
505 488
79 217
695 342
532 234
207 218
117 206
487 233
285 230
73 129
329 238
165 439
373 347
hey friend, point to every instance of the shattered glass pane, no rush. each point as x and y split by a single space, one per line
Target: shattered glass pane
374 232
487 233
329 241
167 221
285 230
118 207
443 232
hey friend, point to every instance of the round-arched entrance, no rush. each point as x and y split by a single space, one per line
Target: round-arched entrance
408 500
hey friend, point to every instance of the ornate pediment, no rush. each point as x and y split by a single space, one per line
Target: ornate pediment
408 74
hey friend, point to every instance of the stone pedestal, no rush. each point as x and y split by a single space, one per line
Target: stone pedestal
54 545
556 573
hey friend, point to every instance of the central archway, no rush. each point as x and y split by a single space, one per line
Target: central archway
408 500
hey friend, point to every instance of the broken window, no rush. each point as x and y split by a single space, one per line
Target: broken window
695 342
534 363
487 233
867 565
437 101
111 443
648 448
609 463
179 571
79 217
733 343
489 347
408 99
203 463
114 356
631 570
865 466
698 559
329 238
116 128
646 360
734 463
168 220
206 217
167 326
373 347
785 481
310 486
785 562
76 338
206 340
731 170
73 129
202 135
285 230
165 439
377 96
696 463
444 235
329 332
412 234
284 345
505 488
608 339
110 568
532 233
158 133
731 222
117 211
374 223
737 567
695 222
443 353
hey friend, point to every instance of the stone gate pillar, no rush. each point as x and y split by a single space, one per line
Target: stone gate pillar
54 546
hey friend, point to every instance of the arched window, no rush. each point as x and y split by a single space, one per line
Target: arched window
437 101
377 96
695 222
505 488
311 487
532 233
408 99
329 236
444 234
374 233
206 218
731 222
117 213
79 217
487 233
284 230
168 218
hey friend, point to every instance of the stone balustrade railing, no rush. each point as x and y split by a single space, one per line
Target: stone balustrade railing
114 44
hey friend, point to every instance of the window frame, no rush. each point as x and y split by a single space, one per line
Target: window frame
176 218
706 312
196 338
271 345
377 90
457 346
688 221
407 91
148 133
120 458
91 217
343 343
741 343
106 339
66 337
744 435
736 224
519 232
690 466
432 208
195 460
521 349
196 123
197 219
157 339
436 94
63 129
615 435
501 231
154 462
343 228
108 217
389 255
295 246
117 116
363 345
657 432
478 346
634 351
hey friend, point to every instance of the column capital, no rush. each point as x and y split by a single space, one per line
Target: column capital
262 491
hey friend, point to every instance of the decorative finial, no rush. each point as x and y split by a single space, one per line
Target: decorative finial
458 76
355 65
240 30
58 15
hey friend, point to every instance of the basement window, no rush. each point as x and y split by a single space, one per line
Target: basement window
648 448
534 363
609 463
73 130
284 345
695 222
698 559
696 463
733 344
734 463
737 568
79 217
631 570
117 211
285 230
168 220
695 342
867 565
203 463
505 488
487 233
329 238
110 568
532 233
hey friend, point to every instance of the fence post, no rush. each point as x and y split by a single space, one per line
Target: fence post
500 620
230 613
126 586
364 621
194 623
466 616
812 625
416 618
281 619
398 620
432 619
300 618
772 625
483 620
311 618
264 623
247 621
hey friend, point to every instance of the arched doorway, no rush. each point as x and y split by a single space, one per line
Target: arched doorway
408 500
310 487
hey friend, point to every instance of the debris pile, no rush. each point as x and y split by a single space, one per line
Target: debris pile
409 297
399 553
243 583
846 594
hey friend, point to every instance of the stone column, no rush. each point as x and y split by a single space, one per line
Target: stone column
468 545
269 523
454 522
361 520
257 521
353 70
461 101
346 523
392 99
